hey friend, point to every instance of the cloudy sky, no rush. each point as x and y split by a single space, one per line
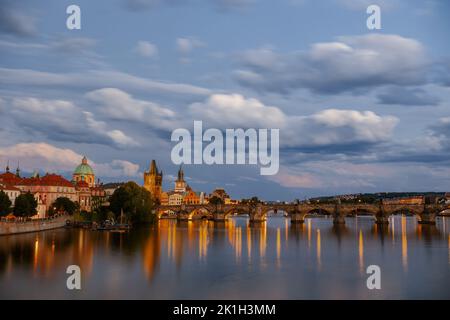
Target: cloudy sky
358 110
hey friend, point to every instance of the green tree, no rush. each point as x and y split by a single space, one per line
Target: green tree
25 205
135 201
216 201
252 202
5 204
64 205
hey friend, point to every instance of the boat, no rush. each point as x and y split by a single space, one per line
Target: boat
112 226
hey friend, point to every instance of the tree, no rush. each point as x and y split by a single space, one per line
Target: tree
135 201
63 204
25 205
5 204
252 202
216 201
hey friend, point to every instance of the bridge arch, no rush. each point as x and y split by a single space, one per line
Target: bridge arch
200 213
408 210
236 211
362 212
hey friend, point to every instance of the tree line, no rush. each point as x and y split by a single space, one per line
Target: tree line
131 202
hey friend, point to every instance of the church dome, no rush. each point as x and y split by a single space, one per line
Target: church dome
84 168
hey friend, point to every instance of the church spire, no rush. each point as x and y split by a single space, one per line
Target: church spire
7 166
180 174
153 168
18 170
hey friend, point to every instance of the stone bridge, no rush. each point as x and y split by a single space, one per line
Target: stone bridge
426 214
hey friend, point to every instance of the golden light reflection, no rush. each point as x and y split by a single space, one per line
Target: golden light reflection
419 231
263 240
169 240
361 252
191 235
249 243
203 242
319 250
238 242
174 241
309 233
36 254
151 255
286 230
80 242
393 229
231 231
278 247
404 245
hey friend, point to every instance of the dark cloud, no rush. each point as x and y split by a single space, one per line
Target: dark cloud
441 131
15 21
407 96
348 64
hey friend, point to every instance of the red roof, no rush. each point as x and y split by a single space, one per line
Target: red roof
47 180
9 178
33 181
55 180
9 188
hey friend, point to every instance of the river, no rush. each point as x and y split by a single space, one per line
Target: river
232 260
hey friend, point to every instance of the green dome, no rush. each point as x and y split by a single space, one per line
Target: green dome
84 168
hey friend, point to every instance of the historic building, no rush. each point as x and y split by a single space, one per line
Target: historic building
11 192
84 173
191 197
180 184
46 189
153 181
175 198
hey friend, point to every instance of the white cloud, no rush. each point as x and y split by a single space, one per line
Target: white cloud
48 158
327 128
147 49
62 120
289 179
92 79
187 45
340 127
234 110
119 105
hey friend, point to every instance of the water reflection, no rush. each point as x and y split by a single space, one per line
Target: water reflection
174 258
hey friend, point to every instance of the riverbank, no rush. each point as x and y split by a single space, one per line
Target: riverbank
9 228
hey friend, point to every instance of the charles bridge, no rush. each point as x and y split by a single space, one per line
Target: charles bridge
425 213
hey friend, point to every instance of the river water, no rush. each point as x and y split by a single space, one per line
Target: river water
232 260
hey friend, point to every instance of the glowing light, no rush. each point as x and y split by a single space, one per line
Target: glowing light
361 252
319 250
404 245
278 246
249 243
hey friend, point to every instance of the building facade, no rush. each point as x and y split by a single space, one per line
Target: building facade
50 187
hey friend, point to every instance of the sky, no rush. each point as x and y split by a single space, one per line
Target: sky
358 110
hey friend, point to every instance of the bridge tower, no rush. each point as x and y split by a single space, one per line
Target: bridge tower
153 181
